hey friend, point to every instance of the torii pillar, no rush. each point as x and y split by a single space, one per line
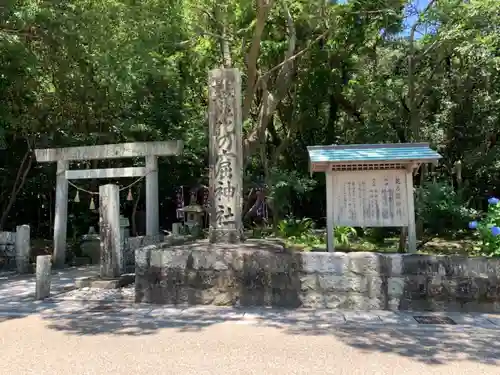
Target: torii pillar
150 150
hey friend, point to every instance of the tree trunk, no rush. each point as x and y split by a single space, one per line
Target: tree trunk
22 173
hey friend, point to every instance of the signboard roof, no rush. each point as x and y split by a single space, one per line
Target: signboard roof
390 153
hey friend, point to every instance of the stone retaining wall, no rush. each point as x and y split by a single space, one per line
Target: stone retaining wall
263 274
90 246
7 250
133 243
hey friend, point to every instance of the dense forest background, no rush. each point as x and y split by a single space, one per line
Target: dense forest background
315 72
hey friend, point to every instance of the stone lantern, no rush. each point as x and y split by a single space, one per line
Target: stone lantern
193 217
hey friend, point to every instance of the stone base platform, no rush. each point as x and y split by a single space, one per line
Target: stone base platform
263 273
98 283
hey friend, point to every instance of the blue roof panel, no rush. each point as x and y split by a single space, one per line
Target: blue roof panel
369 153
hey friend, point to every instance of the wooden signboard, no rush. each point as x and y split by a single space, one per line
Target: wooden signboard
373 198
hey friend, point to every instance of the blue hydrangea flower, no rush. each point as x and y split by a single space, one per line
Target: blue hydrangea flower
495 231
473 224
493 200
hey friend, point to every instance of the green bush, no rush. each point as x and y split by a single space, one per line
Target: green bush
301 232
344 235
488 229
293 227
443 211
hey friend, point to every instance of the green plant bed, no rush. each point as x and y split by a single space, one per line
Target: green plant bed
301 235
436 246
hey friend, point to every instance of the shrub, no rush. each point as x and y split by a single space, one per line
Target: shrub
488 229
441 209
292 227
301 231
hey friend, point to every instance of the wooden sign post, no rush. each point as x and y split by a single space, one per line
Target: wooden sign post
150 150
370 185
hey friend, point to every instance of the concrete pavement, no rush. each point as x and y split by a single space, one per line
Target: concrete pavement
100 339
18 291
103 332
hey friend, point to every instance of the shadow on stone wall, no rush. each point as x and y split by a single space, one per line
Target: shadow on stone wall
449 283
253 274
262 273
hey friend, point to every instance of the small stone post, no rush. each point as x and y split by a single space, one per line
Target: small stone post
111 265
23 248
176 229
225 155
43 276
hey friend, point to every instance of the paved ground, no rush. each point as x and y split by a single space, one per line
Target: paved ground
18 288
102 332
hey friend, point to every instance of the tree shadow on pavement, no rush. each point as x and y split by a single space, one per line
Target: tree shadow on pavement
436 345
430 345
133 321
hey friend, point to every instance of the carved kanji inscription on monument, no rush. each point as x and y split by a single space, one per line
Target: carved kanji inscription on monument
225 131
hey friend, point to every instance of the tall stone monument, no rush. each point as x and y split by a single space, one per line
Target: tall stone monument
226 156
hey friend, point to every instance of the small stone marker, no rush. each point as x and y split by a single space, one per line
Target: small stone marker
23 248
43 276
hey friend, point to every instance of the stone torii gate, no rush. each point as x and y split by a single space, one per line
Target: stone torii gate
150 150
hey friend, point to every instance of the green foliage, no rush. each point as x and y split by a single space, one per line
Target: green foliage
378 235
488 229
284 186
301 232
344 235
442 210
86 72
293 227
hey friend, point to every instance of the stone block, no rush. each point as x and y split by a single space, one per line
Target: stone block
171 259
335 283
474 267
334 263
363 263
7 244
415 287
395 287
91 248
7 238
317 300
98 283
396 264
142 257
362 302
416 264
394 304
